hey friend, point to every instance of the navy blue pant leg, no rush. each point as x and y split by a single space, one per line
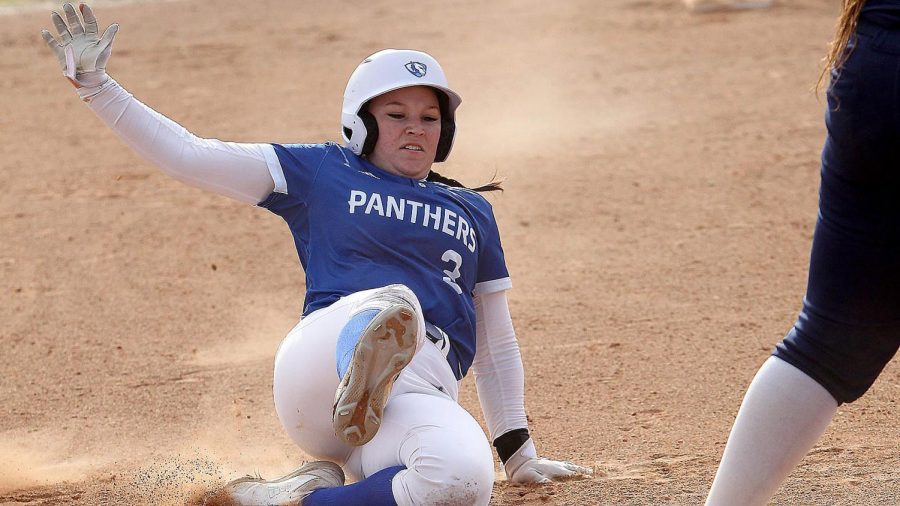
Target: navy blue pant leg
849 325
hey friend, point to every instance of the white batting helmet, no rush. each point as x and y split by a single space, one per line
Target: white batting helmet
389 70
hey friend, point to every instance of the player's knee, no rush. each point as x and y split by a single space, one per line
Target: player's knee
467 480
846 363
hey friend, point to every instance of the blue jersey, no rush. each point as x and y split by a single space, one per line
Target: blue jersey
358 227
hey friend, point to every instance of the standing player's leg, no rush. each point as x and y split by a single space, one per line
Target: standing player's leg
848 330
783 414
849 327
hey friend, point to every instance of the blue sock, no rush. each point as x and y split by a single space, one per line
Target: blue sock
348 337
373 491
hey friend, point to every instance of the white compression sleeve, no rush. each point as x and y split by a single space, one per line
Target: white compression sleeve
783 415
499 374
236 170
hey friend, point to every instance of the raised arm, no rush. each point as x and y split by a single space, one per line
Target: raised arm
241 171
500 381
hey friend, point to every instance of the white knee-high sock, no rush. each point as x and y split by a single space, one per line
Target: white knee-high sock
783 415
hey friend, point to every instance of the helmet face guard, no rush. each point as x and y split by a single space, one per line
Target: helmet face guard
386 71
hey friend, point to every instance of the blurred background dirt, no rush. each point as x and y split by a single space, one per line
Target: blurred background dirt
661 170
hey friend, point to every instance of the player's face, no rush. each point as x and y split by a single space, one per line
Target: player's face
409 126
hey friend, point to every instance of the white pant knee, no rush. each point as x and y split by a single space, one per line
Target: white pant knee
466 480
447 457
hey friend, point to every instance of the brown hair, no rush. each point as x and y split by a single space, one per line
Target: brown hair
494 185
846 25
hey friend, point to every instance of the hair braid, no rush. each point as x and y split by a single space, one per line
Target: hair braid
494 185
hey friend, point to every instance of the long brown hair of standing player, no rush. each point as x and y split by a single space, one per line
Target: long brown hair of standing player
846 25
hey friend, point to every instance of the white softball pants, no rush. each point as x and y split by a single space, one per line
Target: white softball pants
447 457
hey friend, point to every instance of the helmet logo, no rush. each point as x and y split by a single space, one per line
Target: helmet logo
416 68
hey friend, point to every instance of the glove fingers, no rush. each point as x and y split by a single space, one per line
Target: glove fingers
55 47
109 35
583 470
61 28
576 469
106 45
557 469
90 21
50 40
571 470
75 27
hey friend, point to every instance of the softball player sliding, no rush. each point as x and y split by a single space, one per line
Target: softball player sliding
849 326
405 279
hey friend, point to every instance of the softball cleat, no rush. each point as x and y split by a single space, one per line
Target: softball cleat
384 348
287 490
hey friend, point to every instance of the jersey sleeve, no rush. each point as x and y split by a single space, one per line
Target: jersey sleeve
294 168
493 275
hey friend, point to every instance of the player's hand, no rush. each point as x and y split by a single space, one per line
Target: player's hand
81 52
526 467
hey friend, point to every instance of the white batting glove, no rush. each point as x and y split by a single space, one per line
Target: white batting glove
80 51
525 466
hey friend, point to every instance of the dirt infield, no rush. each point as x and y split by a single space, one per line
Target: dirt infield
661 175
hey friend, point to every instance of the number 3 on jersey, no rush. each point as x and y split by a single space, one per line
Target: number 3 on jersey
452 276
